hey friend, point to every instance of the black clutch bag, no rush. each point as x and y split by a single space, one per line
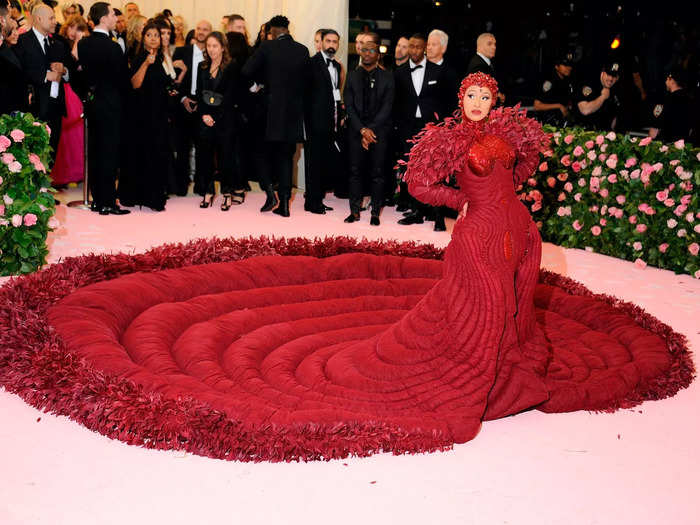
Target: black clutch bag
212 98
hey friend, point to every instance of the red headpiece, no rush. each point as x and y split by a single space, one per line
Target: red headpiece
477 79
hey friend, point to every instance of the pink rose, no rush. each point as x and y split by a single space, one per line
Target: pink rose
7 199
36 162
630 162
577 197
679 144
569 139
658 166
697 156
531 182
2 209
637 246
578 151
621 199
681 233
599 139
562 212
593 208
14 167
635 174
663 149
604 193
633 219
548 153
581 183
669 202
17 135
690 217
661 195
576 166
649 210
544 167
561 197
595 230
641 228
566 160
697 228
611 136
602 157
597 171
618 214
645 141
663 247
53 223
29 219
680 210
537 206
7 158
568 187
672 223
611 162
1 179
591 155
595 182
603 222
4 143
675 162
577 226
590 144
563 176
639 263
16 221
685 200
551 182
694 248
612 178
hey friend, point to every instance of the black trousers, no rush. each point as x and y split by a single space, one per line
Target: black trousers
371 162
278 163
215 143
319 149
406 131
186 128
104 135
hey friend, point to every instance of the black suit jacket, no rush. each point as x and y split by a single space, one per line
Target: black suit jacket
320 106
434 99
282 65
185 54
479 65
380 122
13 85
105 73
35 64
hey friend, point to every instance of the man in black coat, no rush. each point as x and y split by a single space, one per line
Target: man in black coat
186 121
369 96
43 60
282 63
13 86
106 76
322 108
482 61
421 97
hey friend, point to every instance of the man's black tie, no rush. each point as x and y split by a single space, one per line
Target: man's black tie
46 45
417 67
329 61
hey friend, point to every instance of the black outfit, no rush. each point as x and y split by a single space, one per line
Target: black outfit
105 74
369 97
555 90
216 97
186 126
605 118
479 65
322 112
435 103
144 180
282 65
674 117
36 61
13 85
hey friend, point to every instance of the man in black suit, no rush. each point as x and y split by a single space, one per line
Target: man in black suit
13 86
369 96
186 120
105 74
43 60
482 61
421 97
323 100
282 63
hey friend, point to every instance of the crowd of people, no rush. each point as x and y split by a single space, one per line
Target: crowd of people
167 108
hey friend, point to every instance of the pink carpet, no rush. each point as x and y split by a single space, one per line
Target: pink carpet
634 466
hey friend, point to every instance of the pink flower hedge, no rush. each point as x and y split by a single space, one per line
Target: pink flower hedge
26 205
635 199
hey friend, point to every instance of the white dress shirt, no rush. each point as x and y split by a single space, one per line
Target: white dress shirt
331 70
197 57
42 42
417 76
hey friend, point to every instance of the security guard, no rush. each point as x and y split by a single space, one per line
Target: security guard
598 102
553 102
672 119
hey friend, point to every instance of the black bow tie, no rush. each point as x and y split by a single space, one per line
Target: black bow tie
417 67
329 61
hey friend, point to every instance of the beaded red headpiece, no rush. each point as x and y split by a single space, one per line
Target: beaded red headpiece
477 79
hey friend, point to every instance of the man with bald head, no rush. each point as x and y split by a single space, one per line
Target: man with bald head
482 62
187 123
43 60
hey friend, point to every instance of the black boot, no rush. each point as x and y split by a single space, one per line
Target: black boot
271 200
439 222
283 208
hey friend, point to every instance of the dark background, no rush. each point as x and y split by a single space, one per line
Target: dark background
531 34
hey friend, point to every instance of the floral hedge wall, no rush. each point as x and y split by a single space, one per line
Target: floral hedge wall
26 202
631 198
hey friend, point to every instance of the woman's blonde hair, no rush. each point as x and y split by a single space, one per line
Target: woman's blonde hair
75 20
133 29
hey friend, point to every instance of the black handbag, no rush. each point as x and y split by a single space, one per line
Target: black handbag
212 98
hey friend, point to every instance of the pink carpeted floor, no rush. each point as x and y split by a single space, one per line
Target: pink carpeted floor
631 467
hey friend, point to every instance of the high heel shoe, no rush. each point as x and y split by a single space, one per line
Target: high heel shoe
226 205
271 201
206 203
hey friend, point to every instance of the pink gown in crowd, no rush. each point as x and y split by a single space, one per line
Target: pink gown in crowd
69 165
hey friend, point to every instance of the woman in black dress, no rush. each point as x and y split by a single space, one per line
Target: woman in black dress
218 87
145 180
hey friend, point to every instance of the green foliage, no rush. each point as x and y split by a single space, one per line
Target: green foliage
26 202
621 196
